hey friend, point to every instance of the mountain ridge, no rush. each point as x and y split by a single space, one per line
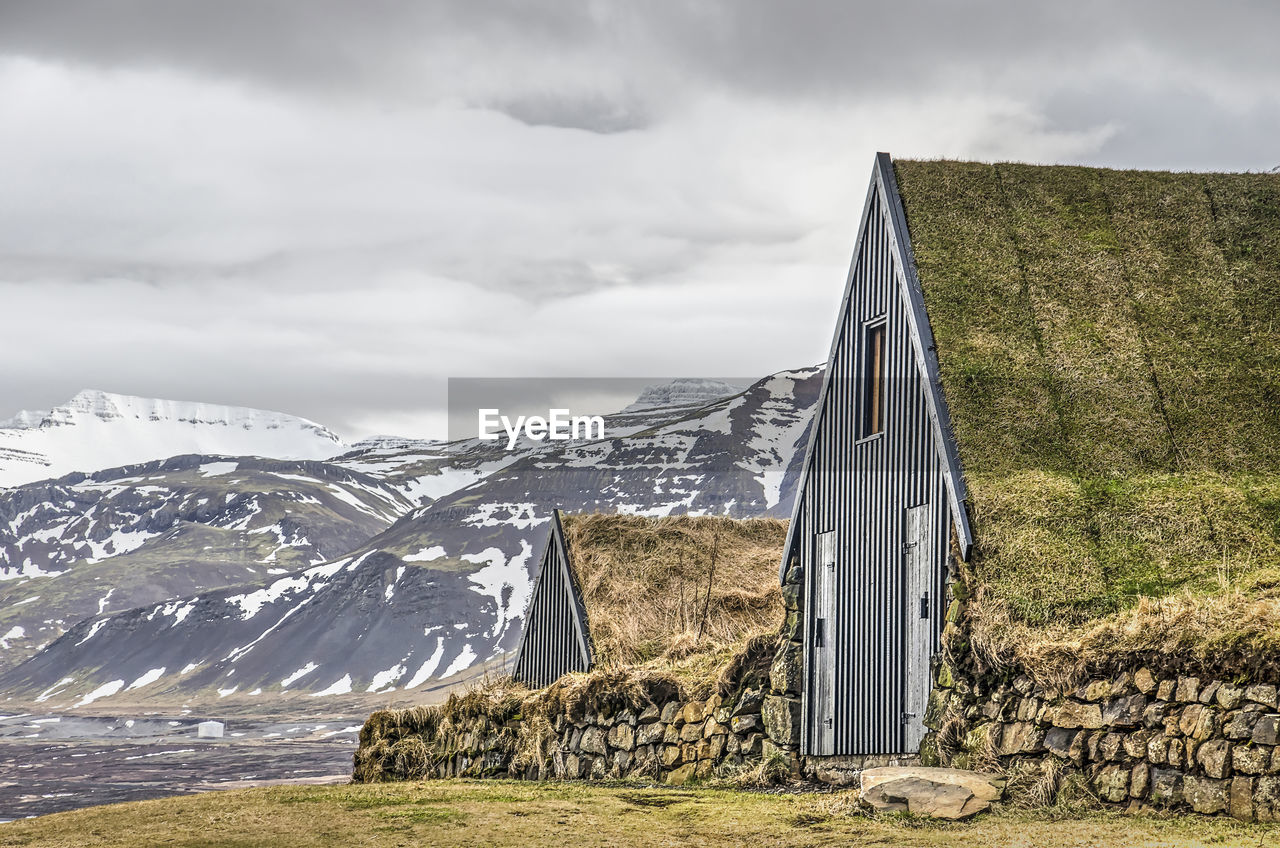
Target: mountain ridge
97 430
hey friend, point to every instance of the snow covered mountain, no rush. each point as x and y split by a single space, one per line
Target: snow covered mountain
443 588
96 430
84 546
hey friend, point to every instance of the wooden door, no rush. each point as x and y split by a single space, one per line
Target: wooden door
919 555
822 709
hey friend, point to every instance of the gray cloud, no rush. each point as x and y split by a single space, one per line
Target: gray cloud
331 207
809 48
592 112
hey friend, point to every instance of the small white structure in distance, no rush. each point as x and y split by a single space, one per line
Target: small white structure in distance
209 730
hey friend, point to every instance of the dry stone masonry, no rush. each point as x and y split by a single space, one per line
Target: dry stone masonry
1174 742
675 742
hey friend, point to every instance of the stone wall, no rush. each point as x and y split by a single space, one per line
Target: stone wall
1141 738
622 729
780 709
673 742
1149 732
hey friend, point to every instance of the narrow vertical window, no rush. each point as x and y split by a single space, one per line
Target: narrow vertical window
873 381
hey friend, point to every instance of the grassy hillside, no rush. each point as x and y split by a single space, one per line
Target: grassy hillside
1109 346
528 814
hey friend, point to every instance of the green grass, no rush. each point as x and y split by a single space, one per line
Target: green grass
1102 323
1058 549
1109 347
526 814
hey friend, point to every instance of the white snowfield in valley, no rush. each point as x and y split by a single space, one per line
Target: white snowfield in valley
96 430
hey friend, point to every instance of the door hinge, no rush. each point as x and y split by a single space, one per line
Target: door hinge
924 605
829 722
818 634
907 718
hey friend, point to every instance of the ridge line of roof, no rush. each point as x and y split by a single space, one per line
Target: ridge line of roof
1082 167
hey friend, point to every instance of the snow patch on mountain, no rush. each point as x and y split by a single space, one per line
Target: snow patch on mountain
460 663
384 679
519 515
15 632
96 430
339 687
428 668
298 675
106 690
504 580
147 679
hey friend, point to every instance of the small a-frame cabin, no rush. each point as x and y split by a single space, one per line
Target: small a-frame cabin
880 497
556 639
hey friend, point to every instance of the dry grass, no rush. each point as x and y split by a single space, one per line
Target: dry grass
1072 574
529 815
1235 633
1109 348
411 744
668 589
773 770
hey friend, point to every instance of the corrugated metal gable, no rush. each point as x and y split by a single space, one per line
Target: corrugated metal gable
855 495
555 639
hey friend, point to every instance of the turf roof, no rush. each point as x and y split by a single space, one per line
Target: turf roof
1109 347
1102 322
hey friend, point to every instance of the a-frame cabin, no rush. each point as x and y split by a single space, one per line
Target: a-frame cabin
556 639
880 497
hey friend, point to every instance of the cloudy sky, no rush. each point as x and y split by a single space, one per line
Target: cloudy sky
328 207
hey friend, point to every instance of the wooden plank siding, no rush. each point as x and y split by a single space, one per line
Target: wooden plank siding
865 472
555 640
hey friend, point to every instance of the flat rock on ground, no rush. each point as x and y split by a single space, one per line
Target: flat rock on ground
941 793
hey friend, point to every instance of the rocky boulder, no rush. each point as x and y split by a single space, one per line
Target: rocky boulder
942 793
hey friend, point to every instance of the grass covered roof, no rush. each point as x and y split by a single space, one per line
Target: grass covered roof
1109 348
665 589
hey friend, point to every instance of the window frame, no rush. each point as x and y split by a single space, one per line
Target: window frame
871 420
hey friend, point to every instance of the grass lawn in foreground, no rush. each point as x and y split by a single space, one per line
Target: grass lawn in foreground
501 813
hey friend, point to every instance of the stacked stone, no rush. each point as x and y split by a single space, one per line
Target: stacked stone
1174 742
677 742
781 710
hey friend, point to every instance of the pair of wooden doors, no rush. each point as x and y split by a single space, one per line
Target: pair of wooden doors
911 625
